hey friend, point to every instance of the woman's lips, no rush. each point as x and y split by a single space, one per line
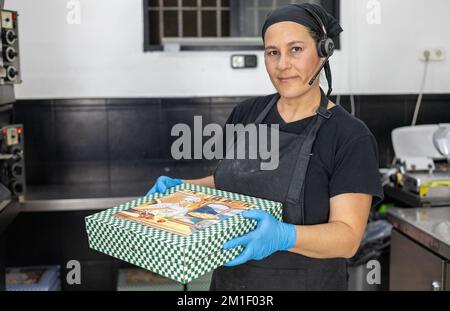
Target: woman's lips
287 79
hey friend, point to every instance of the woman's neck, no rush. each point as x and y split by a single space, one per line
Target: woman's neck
297 108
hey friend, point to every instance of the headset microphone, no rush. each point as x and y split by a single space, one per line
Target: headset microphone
318 71
325 46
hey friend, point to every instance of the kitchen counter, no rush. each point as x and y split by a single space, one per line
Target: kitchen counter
428 226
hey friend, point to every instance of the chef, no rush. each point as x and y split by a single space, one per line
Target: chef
327 177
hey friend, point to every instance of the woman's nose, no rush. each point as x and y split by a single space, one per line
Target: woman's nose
283 62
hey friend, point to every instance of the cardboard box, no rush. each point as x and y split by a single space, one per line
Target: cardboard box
179 235
36 278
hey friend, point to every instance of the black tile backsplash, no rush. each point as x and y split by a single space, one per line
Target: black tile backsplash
181 111
134 129
38 118
81 130
128 140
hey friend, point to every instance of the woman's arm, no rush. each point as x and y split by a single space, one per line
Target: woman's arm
342 235
205 182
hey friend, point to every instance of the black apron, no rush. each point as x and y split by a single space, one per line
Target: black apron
282 270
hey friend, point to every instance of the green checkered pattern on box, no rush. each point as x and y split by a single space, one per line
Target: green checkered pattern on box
182 258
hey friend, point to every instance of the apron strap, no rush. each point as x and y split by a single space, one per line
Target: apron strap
295 195
257 121
266 110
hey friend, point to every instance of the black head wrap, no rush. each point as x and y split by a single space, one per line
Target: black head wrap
298 14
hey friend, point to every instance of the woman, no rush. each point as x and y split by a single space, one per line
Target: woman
327 177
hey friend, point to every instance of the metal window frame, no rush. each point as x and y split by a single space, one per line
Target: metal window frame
220 43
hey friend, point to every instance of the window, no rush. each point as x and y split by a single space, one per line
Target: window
212 24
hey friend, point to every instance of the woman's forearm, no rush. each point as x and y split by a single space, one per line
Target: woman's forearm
330 240
207 181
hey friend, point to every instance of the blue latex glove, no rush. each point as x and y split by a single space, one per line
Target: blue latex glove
269 236
163 183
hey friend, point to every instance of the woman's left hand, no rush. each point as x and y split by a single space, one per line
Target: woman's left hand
269 236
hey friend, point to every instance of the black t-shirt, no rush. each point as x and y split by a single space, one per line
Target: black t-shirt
344 160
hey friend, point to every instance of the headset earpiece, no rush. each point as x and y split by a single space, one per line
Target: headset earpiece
325 47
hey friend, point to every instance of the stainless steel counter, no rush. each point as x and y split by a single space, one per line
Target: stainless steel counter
77 197
420 249
428 226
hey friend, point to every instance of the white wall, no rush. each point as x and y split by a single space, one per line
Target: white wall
103 56
385 58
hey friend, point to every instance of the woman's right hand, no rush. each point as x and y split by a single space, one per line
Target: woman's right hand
163 183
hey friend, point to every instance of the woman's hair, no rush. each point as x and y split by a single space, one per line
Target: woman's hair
314 34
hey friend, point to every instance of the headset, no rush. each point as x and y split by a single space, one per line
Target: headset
325 46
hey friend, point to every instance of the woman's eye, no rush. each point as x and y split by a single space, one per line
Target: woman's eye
272 53
296 49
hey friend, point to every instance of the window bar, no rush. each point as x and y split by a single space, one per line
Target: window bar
255 17
275 4
199 18
180 19
219 18
161 20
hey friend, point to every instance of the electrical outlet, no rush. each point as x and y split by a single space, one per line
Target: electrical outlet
438 54
434 55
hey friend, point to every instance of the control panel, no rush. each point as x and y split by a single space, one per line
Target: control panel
12 159
9 48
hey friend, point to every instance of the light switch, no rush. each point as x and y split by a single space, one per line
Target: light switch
244 61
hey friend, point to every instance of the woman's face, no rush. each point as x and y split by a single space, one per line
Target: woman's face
291 58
